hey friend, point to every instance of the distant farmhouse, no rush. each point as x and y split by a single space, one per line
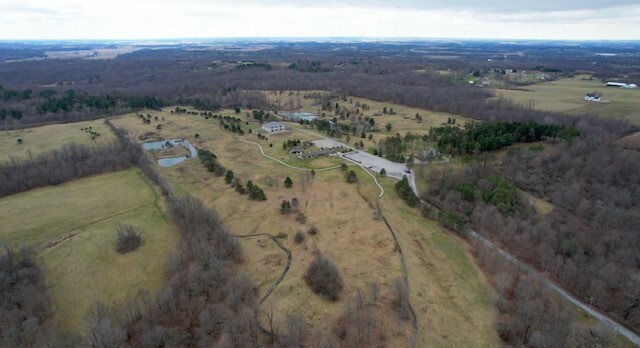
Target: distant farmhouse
621 85
595 97
273 127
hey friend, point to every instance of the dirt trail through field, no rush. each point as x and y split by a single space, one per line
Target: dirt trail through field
414 320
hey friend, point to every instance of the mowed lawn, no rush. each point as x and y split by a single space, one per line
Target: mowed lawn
73 228
46 138
567 95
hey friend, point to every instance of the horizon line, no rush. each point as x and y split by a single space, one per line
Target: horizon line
307 39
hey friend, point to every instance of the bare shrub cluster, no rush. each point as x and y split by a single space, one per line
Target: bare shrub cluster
323 277
129 238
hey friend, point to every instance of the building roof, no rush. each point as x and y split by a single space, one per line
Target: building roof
593 95
617 84
296 149
272 125
322 152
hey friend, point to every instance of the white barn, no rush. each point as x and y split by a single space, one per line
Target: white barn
273 127
621 85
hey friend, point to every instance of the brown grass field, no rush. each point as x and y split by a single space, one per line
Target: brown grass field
349 232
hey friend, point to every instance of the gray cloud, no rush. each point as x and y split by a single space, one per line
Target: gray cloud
30 11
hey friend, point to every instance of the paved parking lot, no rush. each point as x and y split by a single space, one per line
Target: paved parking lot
375 163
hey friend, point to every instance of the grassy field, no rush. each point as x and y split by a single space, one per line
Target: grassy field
449 292
73 228
567 95
349 232
46 138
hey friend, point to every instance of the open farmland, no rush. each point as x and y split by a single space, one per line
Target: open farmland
73 228
349 232
37 140
567 95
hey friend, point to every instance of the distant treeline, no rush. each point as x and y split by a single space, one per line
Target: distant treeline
196 82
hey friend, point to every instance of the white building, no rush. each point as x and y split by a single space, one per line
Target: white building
273 127
621 85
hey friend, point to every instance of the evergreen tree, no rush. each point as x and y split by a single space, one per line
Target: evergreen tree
285 207
228 177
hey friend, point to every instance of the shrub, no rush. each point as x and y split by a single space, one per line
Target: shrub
288 182
228 177
313 230
401 300
383 172
404 190
344 167
255 192
323 277
129 238
352 177
301 218
299 237
285 207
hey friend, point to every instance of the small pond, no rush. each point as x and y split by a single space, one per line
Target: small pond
297 116
163 144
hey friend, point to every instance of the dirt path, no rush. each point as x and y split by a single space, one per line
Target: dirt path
278 281
414 319
405 276
286 164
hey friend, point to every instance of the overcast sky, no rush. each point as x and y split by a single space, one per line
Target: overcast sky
155 19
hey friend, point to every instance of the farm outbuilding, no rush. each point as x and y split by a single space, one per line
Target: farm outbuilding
621 85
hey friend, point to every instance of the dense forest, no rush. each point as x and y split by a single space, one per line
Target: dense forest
588 240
